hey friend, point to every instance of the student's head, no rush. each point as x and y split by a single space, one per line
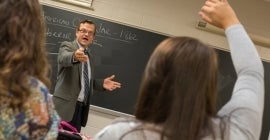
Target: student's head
179 86
22 46
85 33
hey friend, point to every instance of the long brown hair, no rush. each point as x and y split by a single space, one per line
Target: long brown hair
22 48
179 89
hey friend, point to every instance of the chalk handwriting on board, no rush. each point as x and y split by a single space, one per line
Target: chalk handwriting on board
125 36
102 30
95 42
56 34
55 20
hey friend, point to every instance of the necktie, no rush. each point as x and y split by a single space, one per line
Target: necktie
86 83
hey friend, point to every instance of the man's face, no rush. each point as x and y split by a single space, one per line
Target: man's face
85 34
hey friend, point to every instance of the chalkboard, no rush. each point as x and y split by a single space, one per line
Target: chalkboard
124 50
117 49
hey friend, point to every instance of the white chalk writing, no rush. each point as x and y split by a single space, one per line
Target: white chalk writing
50 33
102 30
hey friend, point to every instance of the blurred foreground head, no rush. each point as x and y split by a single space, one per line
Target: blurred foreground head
179 86
22 46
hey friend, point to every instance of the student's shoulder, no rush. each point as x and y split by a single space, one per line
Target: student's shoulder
123 124
38 88
116 129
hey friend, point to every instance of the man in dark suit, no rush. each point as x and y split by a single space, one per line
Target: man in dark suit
75 83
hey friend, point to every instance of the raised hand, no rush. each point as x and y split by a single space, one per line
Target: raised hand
218 13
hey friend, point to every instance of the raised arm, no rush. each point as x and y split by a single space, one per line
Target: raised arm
246 105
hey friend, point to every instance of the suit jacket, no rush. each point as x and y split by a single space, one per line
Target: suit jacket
68 83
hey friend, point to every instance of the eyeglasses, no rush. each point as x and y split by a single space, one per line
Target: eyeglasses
85 31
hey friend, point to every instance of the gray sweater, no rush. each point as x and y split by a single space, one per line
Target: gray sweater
244 110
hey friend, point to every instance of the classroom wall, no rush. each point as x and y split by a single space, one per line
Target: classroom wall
172 18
